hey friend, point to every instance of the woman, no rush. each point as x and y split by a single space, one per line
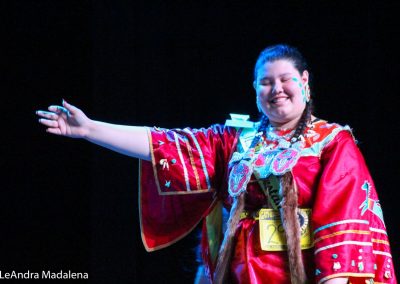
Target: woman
302 205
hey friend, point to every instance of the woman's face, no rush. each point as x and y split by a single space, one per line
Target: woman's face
281 92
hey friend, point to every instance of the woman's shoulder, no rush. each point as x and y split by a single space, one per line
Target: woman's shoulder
321 133
325 129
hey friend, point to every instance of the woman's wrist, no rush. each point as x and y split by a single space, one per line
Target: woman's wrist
88 129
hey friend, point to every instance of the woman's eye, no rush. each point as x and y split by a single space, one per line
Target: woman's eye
265 82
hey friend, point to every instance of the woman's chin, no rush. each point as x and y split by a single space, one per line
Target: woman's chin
284 121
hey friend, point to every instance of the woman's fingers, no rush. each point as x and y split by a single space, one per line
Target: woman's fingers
63 120
55 131
49 123
47 114
57 118
57 127
58 109
72 109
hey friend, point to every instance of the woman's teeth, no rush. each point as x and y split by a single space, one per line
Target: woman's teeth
277 100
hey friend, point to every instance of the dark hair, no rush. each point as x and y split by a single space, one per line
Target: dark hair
281 51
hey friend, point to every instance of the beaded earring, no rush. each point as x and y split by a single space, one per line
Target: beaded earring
307 92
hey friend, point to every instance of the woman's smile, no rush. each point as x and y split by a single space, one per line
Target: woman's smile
279 100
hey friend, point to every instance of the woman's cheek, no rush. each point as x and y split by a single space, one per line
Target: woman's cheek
295 91
264 91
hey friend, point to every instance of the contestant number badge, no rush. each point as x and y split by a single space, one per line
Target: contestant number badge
272 234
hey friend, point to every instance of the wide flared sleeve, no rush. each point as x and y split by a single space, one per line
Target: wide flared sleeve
178 187
349 231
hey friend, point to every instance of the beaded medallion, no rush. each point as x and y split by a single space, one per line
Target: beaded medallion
284 161
239 177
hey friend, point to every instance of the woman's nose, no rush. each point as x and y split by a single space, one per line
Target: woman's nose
277 88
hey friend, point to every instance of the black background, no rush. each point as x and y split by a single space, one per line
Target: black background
68 205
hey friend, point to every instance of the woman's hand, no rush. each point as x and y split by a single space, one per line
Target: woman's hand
66 120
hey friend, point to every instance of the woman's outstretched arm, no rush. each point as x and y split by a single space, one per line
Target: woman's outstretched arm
68 120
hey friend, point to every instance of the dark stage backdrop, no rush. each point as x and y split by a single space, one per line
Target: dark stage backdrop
69 205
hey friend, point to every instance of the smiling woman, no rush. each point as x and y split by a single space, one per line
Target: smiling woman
281 84
302 205
280 92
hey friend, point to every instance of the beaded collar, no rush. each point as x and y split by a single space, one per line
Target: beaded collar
277 133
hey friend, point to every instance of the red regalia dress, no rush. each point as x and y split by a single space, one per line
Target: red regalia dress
186 182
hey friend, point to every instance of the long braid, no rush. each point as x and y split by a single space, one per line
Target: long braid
289 209
225 253
264 122
222 268
304 121
291 225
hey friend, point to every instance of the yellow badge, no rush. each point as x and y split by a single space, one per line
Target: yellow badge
272 234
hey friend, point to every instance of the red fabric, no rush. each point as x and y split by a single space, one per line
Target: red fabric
330 184
169 210
331 177
250 264
343 232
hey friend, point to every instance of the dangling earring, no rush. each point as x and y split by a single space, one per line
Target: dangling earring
307 92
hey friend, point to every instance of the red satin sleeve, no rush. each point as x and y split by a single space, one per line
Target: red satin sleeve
178 187
349 230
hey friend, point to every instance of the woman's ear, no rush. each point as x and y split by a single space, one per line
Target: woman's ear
255 85
305 77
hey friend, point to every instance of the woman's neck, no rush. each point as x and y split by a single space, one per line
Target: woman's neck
285 125
292 124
